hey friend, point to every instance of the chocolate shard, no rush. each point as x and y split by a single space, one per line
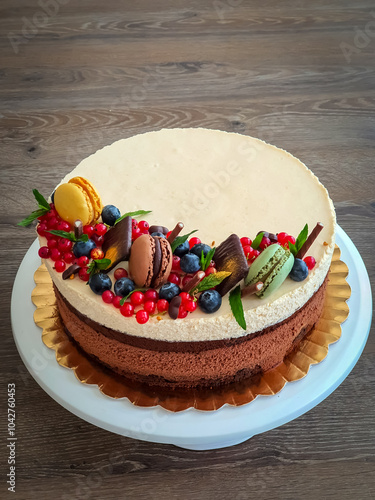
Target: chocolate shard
73 269
158 229
117 242
229 256
174 307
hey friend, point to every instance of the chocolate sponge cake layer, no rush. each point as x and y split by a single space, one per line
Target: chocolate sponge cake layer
191 363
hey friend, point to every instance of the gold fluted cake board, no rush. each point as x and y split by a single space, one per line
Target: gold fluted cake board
313 349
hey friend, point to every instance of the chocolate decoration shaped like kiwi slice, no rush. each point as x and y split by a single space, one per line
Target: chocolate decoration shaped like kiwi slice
117 242
229 256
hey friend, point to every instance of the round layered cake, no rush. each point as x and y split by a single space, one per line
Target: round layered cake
225 186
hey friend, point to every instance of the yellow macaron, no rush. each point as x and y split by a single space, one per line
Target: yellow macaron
78 199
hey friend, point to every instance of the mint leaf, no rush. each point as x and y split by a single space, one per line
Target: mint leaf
42 202
69 236
210 281
137 213
181 239
237 307
206 261
255 244
34 215
301 238
98 265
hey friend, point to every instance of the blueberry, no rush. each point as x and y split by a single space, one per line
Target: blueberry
100 282
199 247
190 263
209 301
168 291
83 248
156 233
182 249
124 286
110 214
299 270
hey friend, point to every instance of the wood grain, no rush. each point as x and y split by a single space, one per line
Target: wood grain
96 72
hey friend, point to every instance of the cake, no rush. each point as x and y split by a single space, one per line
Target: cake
228 188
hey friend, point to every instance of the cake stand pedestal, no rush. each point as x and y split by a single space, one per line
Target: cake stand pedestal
194 429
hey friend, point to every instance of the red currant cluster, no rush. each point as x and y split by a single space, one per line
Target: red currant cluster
59 249
139 228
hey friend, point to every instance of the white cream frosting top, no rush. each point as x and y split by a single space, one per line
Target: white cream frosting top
218 183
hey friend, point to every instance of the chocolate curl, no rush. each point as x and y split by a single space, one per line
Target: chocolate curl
176 231
73 269
310 240
78 229
174 307
251 289
194 281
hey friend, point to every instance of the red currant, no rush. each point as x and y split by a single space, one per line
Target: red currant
150 306
100 229
186 279
83 261
97 254
51 213
55 254
174 278
136 233
266 242
255 254
49 236
120 273
64 244
162 305
248 250
282 238
210 270
182 312
137 298
310 262
185 297
290 239
191 305
134 224
98 239
52 223
116 301
52 243
168 234
194 241
142 317
41 229
212 263
60 266
245 241
68 257
89 230
108 296
44 252
127 309
176 263
151 295
83 274
144 226
63 226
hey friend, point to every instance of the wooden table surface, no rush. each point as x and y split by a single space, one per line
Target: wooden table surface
78 75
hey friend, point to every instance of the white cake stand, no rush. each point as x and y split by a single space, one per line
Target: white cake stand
193 429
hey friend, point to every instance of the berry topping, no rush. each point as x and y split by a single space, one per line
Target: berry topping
150 306
52 223
299 270
52 243
210 270
310 262
185 297
68 257
168 291
83 274
151 295
100 229
182 249
144 226
83 248
120 273
174 278
64 244
209 301
182 312
194 241
108 296
55 254
176 263
136 233
127 309
162 305
63 226
60 266
199 248
41 229
124 286
110 214
116 301
89 230
190 305
245 241
142 317
97 254
190 262
83 261
44 252
266 242
100 282
98 239
137 298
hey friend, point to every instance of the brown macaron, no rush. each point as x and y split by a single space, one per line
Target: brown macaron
150 261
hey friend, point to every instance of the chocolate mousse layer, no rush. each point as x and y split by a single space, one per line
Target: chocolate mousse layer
209 363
